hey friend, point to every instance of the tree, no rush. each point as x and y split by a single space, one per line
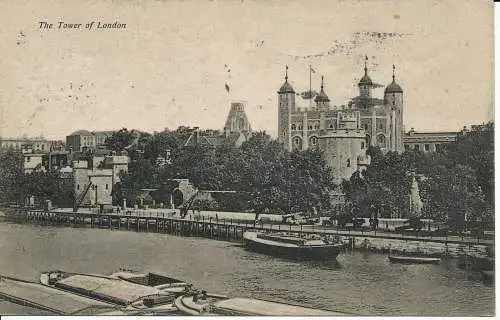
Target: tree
11 177
119 140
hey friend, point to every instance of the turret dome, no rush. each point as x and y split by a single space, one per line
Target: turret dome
393 87
286 87
322 97
365 80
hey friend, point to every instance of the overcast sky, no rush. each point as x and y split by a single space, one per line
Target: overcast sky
170 65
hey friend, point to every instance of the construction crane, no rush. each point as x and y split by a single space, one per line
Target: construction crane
79 201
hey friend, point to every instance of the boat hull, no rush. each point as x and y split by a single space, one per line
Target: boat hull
414 260
320 252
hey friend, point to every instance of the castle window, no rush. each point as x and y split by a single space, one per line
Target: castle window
362 145
294 127
381 140
309 127
366 126
300 127
407 147
330 126
314 141
381 126
77 187
427 147
28 159
437 146
296 141
106 186
417 147
348 163
316 126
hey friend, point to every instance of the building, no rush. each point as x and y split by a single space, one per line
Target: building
342 132
83 140
345 132
427 141
37 144
32 162
236 130
94 185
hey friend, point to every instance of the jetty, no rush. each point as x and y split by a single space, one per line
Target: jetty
233 230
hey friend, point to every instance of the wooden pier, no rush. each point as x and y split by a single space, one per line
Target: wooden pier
163 222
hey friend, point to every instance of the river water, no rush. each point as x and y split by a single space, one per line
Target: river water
359 283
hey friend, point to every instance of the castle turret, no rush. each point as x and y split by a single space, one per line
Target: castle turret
322 100
286 106
365 84
393 99
237 120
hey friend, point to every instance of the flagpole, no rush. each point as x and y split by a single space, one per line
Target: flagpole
310 87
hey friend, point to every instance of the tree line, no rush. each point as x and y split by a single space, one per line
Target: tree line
456 183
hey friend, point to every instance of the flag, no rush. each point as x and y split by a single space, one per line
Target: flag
227 88
306 95
312 70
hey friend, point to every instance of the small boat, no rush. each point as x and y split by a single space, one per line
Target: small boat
414 260
313 247
206 304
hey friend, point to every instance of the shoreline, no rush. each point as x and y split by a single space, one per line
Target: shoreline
221 229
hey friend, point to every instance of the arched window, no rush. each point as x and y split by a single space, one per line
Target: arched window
294 127
106 186
366 126
348 163
316 126
300 127
297 143
241 124
362 145
314 141
381 140
368 139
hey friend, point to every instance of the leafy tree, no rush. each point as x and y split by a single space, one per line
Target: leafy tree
11 177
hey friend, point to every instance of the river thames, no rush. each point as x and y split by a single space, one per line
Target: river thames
358 283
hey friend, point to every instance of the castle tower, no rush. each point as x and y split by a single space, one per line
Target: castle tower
322 100
286 106
365 84
237 120
393 99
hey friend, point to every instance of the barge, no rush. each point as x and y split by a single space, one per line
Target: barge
206 304
291 246
134 293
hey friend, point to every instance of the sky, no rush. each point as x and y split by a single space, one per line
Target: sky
170 65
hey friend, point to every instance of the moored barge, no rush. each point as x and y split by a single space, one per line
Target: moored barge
292 246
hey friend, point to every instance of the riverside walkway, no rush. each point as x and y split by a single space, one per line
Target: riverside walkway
169 221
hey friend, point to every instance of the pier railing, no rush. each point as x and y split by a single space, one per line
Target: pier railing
169 221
